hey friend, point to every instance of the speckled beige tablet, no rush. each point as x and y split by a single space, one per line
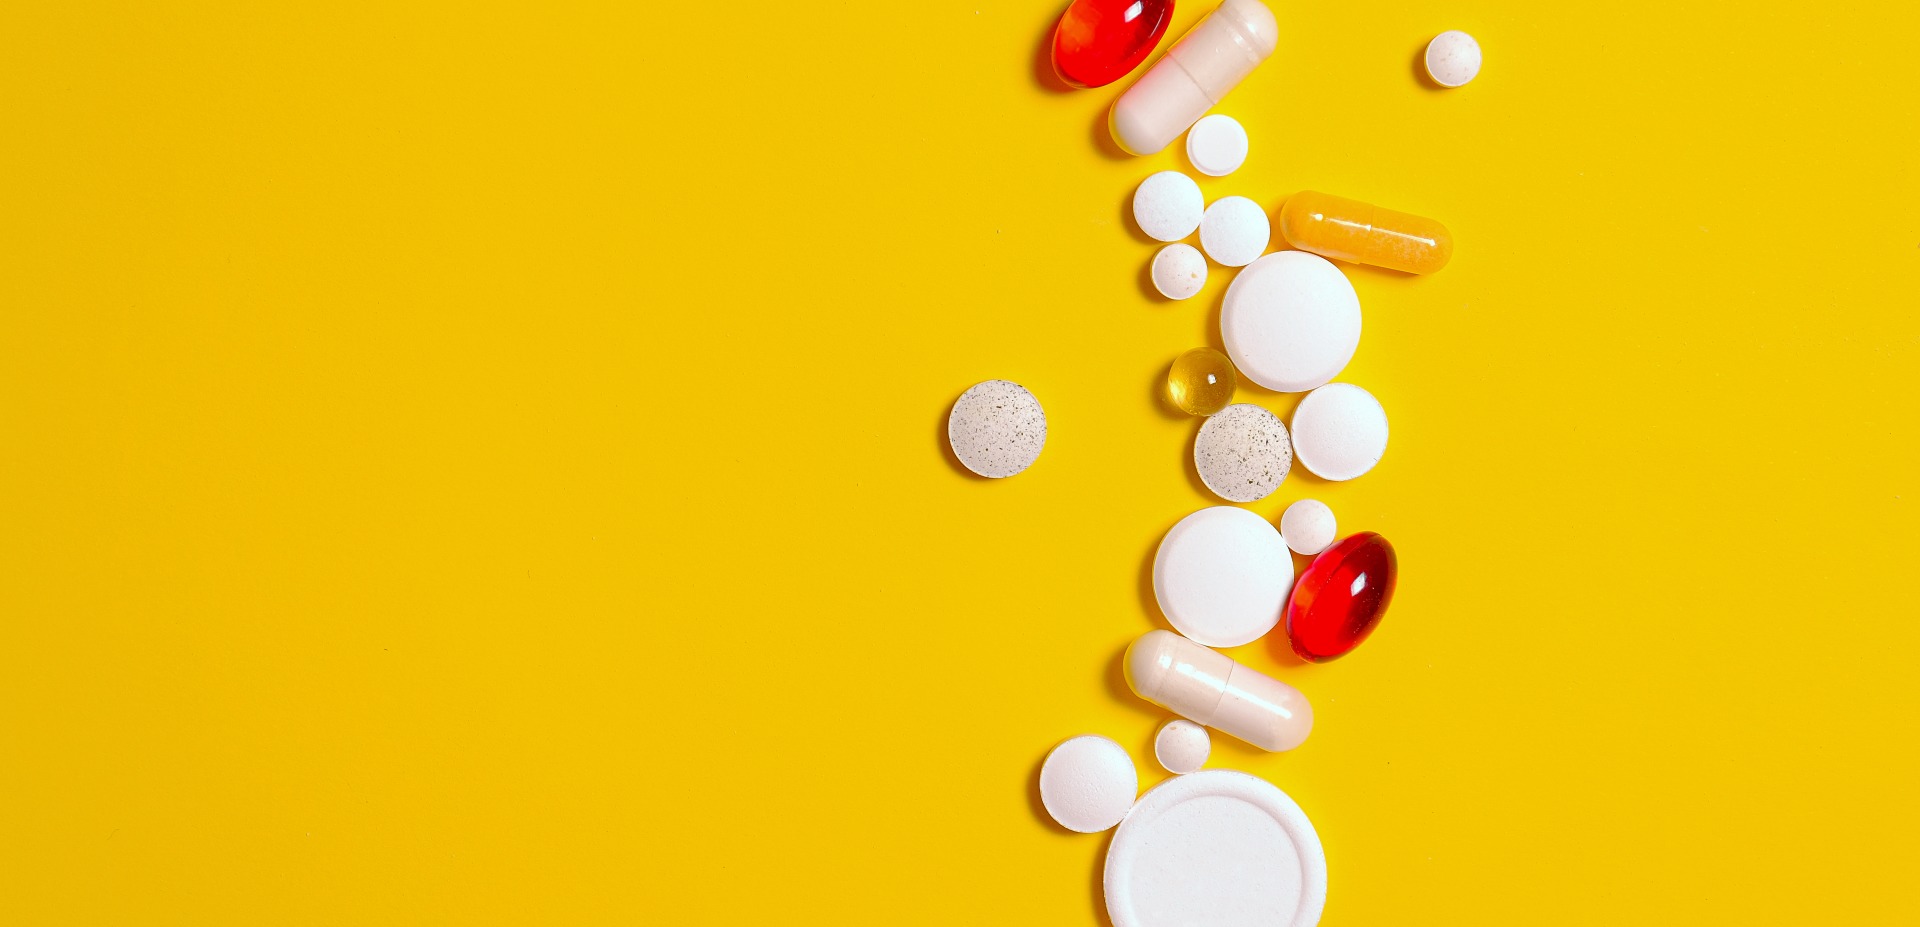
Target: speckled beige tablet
1243 453
997 428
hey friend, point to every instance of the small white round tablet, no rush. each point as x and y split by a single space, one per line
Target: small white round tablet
1234 231
1219 848
1340 431
1291 321
1182 746
1217 145
1179 271
1453 58
1088 783
1168 206
1242 452
1308 526
997 428
1222 576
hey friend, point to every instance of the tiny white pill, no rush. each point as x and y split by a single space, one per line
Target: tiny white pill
1182 746
1179 271
1291 321
1308 526
1222 576
997 428
1453 58
1217 145
1234 231
1340 431
1088 783
1168 206
1242 453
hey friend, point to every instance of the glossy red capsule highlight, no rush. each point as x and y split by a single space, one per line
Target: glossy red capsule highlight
1341 597
1099 41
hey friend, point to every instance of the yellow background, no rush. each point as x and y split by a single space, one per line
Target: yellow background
483 463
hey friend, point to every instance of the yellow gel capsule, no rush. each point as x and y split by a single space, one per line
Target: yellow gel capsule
1349 230
1201 381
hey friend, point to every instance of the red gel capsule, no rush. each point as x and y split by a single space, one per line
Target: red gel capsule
1099 41
1341 596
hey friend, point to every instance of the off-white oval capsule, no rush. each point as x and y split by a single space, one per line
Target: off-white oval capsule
1209 688
1207 62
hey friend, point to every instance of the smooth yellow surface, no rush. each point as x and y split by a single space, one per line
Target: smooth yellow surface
483 463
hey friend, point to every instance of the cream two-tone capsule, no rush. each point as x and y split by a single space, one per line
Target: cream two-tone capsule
1210 688
1206 63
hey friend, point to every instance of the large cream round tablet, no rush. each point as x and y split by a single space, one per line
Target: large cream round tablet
1222 576
1216 847
997 428
1291 321
1168 206
1088 783
1339 431
1242 453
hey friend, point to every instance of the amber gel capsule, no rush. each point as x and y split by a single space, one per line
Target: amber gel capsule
1349 230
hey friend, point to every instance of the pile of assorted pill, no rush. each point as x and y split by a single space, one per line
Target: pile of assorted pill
1220 847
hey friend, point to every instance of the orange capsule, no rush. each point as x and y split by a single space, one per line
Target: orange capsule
1349 230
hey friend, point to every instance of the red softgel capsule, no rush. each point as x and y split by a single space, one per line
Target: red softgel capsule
1099 41
1341 597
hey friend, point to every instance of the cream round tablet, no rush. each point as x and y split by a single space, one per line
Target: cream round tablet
1217 145
1308 526
1182 746
1168 206
1088 783
1222 576
1453 58
1291 321
997 428
1179 271
1234 231
1339 431
1220 848
1242 453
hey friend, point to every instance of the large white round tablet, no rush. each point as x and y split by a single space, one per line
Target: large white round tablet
1088 783
1219 848
1339 431
1234 231
997 428
1179 271
1217 145
1291 321
1453 58
1168 206
1308 526
1182 746
1242 453
1222 576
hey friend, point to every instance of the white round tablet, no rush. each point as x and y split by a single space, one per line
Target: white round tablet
1216 847
1340 431
1242 452
1168 206
997 428
1182 746
1308 526
1291 321
1222 576
1234 231
1088 783
1453 58
1217 145
1179 271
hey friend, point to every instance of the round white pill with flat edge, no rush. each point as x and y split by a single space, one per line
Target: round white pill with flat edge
1308 526
1222 576
1216 847
1179 271
1339 431
1182 746
1088 783
997 428
1168 206
1453 58
1291 321
1242 453
1217 145
1235 231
